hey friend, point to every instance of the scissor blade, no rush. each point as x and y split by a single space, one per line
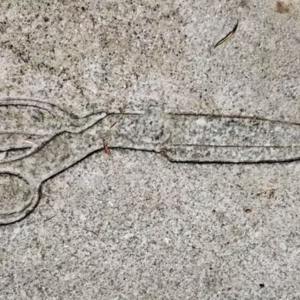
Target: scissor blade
230 139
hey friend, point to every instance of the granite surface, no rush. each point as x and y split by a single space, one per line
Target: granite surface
129 224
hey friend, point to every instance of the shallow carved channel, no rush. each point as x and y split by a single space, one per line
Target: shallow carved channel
39 140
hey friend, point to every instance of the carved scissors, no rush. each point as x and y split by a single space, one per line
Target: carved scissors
39 140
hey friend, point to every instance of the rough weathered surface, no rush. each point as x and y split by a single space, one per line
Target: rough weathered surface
133 225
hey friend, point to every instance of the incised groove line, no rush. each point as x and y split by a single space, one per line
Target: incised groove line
38 140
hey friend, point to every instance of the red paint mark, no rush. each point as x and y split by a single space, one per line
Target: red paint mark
106 149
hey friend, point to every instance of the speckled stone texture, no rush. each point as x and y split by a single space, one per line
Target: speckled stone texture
133 225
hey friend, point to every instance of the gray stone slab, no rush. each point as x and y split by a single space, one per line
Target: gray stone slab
138 161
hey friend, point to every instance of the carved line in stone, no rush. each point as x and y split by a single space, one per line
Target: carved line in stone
181 138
